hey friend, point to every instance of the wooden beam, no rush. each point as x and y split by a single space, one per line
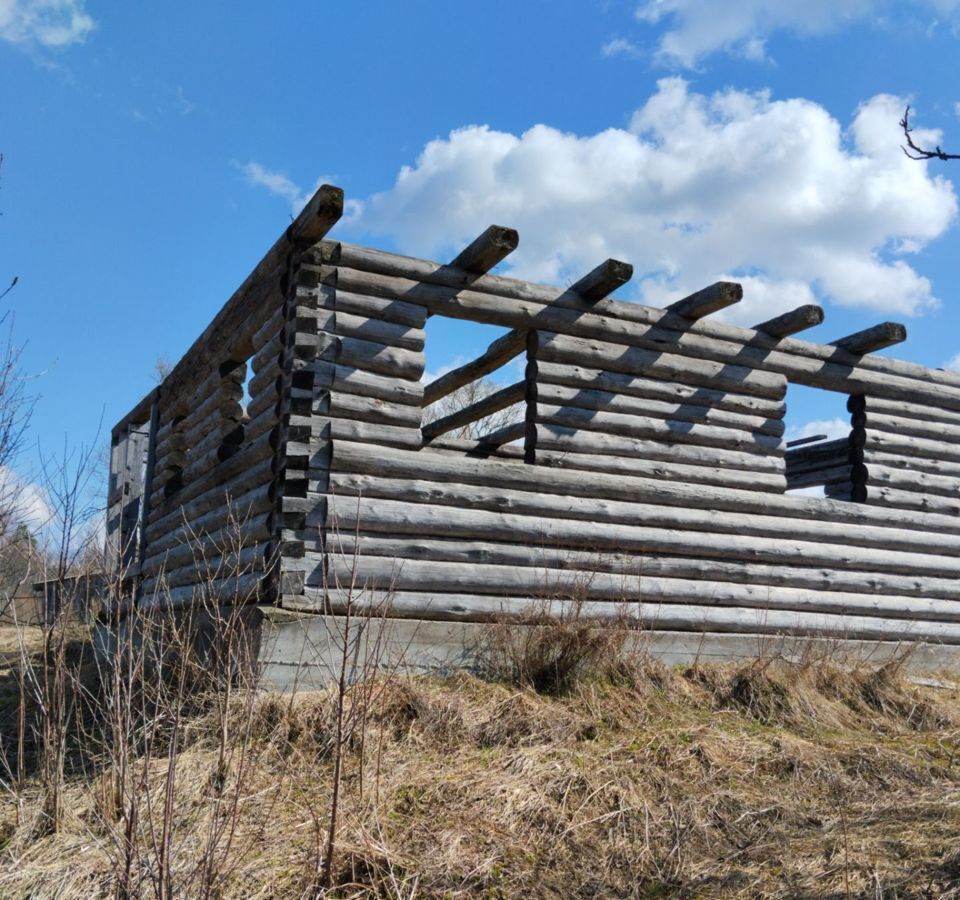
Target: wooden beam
791 322
486 406
504 435
320 214
501 351
493 246
716 297
603 280
886 334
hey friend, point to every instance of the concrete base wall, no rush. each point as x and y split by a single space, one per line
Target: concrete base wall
305 652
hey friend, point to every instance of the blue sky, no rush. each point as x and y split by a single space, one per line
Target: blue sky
153 152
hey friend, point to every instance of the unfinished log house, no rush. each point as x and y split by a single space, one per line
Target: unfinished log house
645 473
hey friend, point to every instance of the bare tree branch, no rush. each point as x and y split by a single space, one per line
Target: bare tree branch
915 152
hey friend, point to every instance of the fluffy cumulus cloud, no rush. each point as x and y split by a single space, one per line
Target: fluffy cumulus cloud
693 29
775 194
50 23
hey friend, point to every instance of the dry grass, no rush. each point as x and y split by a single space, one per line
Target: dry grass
764 780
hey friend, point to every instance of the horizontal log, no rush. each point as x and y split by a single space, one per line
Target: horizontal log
499 353
665 430
907 461
268 354
652 389
608 401
514 431
613 357
203 568
792 322
396 311
545 559
652 616
710 300
342 379
912 480
934 431
268 399
923 412
373 410
817 477
892 498
603 280
382 574
270 329
563 439
378 514
824 451
664 471
935 533
451 446
373 433
872 339
380 359
265 420
486 251
474 412
253 588
379 331
909 446
815 365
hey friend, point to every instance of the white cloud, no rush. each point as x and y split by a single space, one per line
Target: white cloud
693 29
51 23
830 428
279 184
953 364
27 499
621 47
698 188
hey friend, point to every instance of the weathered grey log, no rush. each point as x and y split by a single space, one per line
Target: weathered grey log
385 574
709 300
190 555
928 530
666 430
269 399
256 476
473 448
653 389
934 431
372 409
235 509
484 407
563 439
395 311
252 588
908 445
872 339
500 352
603 280
389 264
214 474
608 401
455 522
380 331
648 616
829 451
811 365
817 477
270 329
386 435
900 460
664 471
201 568
878 495
489 249
265 381
656 364
515 431
380 358
268 354
923 412
264 421
791 322
398 548
912 480
342 379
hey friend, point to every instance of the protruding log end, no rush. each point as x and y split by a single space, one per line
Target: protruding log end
321 213
603 280
791 322
493 246
711 299
870 340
